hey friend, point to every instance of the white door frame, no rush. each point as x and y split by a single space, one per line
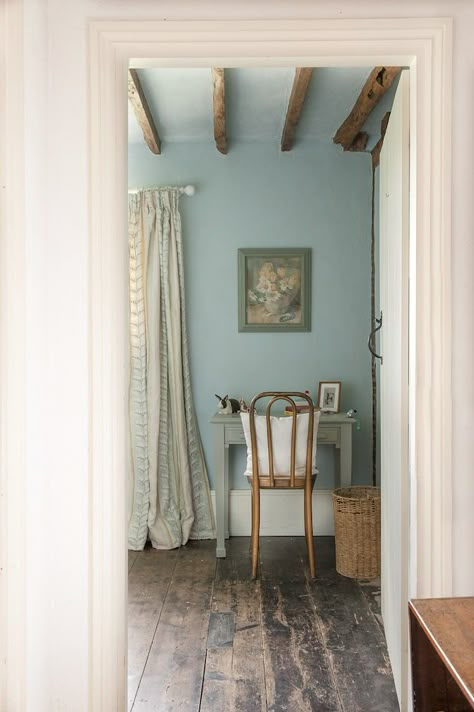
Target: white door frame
423 44
13 555
393 373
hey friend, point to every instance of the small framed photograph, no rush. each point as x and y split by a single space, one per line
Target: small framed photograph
275 289
329 396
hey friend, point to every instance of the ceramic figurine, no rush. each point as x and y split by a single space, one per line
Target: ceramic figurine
227 405
243 406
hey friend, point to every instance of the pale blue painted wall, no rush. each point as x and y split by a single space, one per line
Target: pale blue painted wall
313 196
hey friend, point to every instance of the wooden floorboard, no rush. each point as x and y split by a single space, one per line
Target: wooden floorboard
148 584
354 641
298 673
132 557
234 677
371 590
172 679
225 643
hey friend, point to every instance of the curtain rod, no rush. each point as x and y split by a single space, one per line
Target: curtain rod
187 189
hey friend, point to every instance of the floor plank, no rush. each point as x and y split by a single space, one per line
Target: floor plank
355 643
173 675
298 673
148 584
371 590
132 557
218 685
225 643
221 630
234 678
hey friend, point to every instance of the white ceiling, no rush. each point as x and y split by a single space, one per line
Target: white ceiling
256 103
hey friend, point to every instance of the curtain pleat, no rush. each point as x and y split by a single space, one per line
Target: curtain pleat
169 488
139 481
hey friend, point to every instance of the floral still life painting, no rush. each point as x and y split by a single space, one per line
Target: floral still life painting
274 289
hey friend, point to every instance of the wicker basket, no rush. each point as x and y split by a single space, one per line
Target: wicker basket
357 526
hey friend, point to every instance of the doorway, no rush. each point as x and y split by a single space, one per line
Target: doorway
300 43
313 196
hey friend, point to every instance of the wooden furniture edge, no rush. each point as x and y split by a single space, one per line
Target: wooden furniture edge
468 694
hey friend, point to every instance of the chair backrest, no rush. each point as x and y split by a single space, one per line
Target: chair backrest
288 440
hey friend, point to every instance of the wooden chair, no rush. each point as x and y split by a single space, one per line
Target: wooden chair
281 456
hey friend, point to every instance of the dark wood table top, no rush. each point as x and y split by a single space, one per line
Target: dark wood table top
449 624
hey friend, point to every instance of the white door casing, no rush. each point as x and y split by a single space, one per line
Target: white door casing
423 44
393 371
12 363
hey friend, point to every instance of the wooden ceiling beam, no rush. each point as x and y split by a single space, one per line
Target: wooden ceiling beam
218 104
379 80
360 142
142 111
295 106
378 146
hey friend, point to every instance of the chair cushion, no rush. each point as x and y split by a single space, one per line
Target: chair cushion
281 437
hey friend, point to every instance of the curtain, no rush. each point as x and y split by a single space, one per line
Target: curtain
169 497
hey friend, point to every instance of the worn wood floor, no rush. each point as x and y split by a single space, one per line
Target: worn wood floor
203 636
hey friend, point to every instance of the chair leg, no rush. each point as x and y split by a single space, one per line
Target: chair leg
308 528
255 531
252 524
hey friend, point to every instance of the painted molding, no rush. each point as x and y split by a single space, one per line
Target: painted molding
430 355
108 417
424 44
281 513
13 559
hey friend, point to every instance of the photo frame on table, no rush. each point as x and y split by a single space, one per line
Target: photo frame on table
274 289
329 396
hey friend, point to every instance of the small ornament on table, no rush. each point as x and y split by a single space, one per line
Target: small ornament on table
243 406
227 405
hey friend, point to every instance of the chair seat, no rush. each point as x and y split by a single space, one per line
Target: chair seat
283 482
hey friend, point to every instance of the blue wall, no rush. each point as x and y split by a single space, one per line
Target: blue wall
313 196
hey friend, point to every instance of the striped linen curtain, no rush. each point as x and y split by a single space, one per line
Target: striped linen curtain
169 497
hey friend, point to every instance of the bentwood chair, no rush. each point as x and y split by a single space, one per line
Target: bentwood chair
281 454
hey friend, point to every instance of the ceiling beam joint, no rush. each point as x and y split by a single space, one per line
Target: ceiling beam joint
378 146
378 82
218 105
295 106
137 99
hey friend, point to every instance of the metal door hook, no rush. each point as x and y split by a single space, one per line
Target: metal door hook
372 337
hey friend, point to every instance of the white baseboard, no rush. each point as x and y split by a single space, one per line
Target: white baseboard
281 513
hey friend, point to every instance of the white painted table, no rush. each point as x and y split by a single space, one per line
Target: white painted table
335 430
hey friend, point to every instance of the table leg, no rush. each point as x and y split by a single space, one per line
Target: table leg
220 476
226 492
345 469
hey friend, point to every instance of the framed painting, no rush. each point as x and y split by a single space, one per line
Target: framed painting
275 289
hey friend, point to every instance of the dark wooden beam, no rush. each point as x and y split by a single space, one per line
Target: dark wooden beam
360 142
295 106
378 146
218 101
379 80
142 111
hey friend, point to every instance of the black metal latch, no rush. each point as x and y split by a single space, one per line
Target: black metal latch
371 340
